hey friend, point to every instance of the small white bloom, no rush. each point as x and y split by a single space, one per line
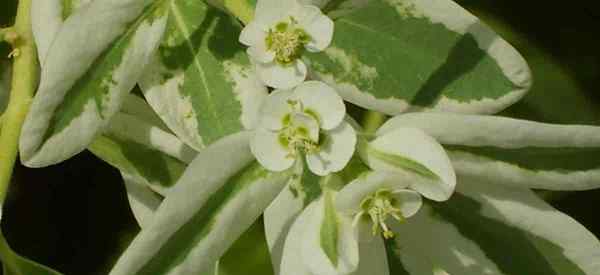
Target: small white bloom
307 121
280 32
378 197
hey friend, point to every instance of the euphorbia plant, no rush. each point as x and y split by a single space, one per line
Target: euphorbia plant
245 114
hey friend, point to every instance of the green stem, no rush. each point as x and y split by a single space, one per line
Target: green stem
372 121
24 82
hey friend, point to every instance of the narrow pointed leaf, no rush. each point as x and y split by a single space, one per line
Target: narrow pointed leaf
220 195
396 55
200 81
514 152
88 71
490 229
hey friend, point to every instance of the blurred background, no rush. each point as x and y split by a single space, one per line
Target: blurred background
74 216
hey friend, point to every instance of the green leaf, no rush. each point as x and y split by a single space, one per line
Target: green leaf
514 152
200 82
87 74
396 55
14 264
213 203
495 230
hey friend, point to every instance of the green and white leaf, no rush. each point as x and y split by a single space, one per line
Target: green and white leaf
88 71
514 152
330 243
148 153
394 56
200 82
15 264
47 18
283 211
416 157
492 229
214 202
143 201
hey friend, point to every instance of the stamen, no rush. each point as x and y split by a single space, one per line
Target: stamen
379 206
287 41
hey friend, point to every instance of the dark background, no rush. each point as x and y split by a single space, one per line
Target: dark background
74 216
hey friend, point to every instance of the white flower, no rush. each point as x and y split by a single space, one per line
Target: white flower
281 31
378 196
307 121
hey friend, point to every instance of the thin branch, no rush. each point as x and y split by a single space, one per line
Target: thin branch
24 82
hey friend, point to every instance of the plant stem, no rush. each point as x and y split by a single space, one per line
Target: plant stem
24 83
372 120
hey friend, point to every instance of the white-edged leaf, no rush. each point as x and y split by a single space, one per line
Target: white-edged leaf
128 127
491 229
219 196
142 200
495 131
397 55
88 71
417 157
143 150
200 82
283 211
47 18
330 242
514 152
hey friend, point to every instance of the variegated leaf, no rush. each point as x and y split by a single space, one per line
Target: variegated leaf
220 195
398 55
143 151
492 229
200 82
143 201
47 18
514 152
87 73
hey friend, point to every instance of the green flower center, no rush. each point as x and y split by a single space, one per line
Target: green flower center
296 139
287 41
379 207
300 132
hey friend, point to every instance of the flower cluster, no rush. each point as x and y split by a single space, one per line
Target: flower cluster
304 122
